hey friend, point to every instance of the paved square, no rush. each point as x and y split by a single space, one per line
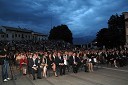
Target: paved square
102 76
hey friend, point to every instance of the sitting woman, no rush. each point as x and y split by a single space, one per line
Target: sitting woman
45 65
90 63
52 64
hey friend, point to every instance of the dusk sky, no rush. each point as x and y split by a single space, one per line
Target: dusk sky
83 17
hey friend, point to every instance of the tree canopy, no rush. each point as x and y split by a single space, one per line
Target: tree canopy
61 32
114 35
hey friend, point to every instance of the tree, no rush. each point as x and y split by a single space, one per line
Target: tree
103 37
61 32
116 26
114 35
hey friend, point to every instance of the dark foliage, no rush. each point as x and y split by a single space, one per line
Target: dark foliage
114 35
61 32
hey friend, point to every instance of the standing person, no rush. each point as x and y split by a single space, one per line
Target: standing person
5 65
23 64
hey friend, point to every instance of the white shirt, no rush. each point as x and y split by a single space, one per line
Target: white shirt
34 61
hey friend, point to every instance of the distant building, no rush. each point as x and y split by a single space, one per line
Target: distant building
19 34
39 36
126 26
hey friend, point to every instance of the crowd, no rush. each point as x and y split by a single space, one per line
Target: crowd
58 56
25 46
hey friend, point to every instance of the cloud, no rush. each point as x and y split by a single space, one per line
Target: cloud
83 17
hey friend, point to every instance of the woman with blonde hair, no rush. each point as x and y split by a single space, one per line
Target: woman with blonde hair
85 62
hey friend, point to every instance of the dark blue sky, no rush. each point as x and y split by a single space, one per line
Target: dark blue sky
83 17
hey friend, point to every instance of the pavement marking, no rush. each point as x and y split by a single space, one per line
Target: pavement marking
115 69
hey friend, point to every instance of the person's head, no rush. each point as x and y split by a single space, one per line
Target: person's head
23 56
30 55
50 55
34 55
78 54
58 54
74 54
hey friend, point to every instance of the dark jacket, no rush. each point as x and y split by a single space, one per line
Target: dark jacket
61 60
31 62
71 60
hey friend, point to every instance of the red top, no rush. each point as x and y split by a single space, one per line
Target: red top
23 61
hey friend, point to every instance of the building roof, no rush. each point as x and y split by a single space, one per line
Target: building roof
37 33
17 29
124 12
22 30
1 32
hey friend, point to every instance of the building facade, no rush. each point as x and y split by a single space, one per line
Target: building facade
19 34
126 26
